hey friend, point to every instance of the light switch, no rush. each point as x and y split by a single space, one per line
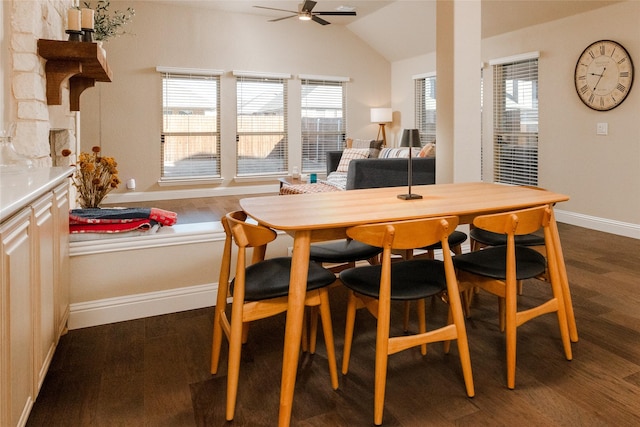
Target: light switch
602 128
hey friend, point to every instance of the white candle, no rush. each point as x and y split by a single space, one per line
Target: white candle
87 18
73 18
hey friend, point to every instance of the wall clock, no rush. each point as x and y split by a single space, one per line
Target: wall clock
604 75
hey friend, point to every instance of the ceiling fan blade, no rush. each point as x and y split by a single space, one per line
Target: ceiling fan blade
320 20
271 8
335 13
308 6
280 19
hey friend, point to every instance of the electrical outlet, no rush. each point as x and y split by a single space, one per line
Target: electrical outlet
602 129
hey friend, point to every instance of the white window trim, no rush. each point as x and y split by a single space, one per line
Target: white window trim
423 75
192 71
261 75
324 78
515 58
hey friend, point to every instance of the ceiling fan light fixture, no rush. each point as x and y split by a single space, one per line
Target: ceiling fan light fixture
304 16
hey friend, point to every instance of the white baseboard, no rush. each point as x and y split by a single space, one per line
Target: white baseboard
119 309
600 224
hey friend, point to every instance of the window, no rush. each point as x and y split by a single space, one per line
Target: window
262 146
323 121
515 120
425 99
190 138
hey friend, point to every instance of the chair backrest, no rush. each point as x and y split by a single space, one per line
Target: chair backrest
514 223
519 222
404 235
245 235
410 234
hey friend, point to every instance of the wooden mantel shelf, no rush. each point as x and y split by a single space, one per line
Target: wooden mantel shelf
83 63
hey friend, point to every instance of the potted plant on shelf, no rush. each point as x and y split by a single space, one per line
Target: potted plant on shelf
108 25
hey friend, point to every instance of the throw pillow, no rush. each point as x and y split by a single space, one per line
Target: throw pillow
429 150
361 143
351 154
398 153
374 149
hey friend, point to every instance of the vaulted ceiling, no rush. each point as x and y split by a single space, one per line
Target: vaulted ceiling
406 28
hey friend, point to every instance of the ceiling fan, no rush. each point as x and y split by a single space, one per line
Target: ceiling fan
305 13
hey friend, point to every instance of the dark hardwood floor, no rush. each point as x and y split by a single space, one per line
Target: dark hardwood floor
155 371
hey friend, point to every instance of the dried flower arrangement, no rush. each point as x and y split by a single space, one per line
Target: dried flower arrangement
94 178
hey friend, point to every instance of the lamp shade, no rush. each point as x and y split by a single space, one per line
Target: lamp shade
381 115
410 138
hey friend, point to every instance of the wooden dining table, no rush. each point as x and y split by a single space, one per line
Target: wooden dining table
317 217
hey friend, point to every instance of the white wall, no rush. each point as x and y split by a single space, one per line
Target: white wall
601 174
124 116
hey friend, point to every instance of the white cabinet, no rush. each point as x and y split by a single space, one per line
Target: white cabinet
34 298
17 319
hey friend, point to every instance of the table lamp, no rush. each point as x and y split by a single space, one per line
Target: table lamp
410 138
381 116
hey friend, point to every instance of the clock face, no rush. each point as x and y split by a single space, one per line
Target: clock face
604 75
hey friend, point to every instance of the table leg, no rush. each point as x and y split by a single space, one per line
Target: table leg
564 281
293 327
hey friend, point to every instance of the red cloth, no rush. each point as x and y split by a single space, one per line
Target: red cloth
163 217
117 220
130 225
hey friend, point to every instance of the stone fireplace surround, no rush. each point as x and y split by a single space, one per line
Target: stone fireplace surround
42 131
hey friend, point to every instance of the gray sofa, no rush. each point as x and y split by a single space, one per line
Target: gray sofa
375 173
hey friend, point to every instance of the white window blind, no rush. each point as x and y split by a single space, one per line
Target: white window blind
515 119
262 144
425 107
323 121
190 139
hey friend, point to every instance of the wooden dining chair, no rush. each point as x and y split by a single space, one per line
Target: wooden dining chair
375 286
498 269
344 253
260 290
455 239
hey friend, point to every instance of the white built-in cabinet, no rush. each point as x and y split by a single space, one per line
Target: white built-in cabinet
34 298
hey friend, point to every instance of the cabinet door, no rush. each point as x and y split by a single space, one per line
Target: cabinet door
61 233
16 355
45 250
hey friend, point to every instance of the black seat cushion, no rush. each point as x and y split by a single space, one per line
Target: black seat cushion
455 239
490 238
410 280
492 262
270 278
342 251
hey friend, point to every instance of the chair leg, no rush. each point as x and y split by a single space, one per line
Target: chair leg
501 313
313 328
511 334
245 332
406 315
422 323
382 355
348 331
216 344
304 339
233 371
456 317
327 330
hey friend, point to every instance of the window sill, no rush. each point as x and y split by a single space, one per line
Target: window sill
189 181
